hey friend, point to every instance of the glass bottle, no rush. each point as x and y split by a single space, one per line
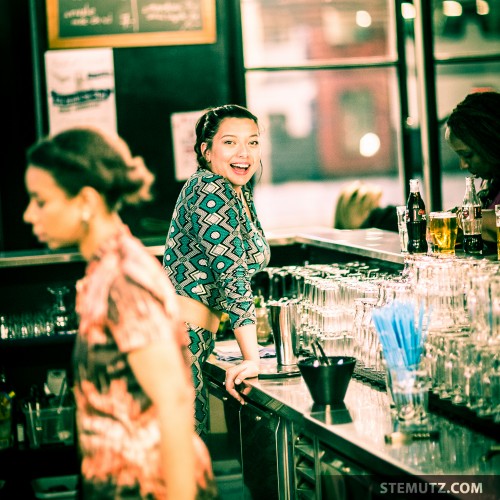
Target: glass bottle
6 412
416 219
224 329
472 221
263 327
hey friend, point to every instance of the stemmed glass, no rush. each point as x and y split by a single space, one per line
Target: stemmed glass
60 314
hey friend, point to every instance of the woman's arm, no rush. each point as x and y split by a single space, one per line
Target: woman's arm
218 226
160 370
215 220
246 337
148 329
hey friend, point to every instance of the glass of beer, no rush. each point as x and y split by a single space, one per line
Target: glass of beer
443 230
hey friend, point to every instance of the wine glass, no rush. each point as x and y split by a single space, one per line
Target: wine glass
60 314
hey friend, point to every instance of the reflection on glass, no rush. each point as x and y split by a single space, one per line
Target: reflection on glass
325 123
291 32
466 27
357 107
453 83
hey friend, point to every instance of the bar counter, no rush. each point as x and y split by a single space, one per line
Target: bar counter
358 429
370 243
367 243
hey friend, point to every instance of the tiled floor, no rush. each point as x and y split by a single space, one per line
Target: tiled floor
229 480
226 467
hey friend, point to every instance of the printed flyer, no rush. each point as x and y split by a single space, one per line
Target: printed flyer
80 88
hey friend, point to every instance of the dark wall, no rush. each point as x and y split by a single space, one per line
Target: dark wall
151 84
18 119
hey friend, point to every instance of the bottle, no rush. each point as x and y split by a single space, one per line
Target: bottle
6 412
472 221
224 329
263 327
416 219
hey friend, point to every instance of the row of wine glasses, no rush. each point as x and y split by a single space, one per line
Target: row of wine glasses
58 319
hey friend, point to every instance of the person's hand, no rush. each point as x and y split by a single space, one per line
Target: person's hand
235 376
203 463
355 203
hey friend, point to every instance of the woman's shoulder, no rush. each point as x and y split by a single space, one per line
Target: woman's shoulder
205 182
204 176
138 266
125 267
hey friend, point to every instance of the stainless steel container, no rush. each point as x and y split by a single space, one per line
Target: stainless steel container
283 316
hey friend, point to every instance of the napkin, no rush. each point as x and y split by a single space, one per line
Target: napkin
232 352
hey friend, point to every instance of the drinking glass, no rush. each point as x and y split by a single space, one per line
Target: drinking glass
409 388
60 313
402 228
443 229
455 369
486 369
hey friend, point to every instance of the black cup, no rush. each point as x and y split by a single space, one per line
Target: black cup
327 383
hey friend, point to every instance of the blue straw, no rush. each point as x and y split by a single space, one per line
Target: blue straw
402 340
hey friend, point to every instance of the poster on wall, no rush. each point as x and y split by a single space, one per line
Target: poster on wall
80 88
184 137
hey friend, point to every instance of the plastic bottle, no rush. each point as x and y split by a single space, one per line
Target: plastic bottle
416 220
6 412
472 219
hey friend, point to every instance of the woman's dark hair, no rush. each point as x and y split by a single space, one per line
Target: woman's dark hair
476 122
208 125
86 156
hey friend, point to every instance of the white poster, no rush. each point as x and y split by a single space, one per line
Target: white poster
184 137
80 88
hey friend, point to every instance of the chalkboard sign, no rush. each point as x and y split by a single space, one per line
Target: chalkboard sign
129 23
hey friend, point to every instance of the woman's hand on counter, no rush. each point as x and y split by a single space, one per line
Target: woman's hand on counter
246 336
237 374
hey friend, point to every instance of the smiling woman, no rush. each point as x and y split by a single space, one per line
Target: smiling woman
216 243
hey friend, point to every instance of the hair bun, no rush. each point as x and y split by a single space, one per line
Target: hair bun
139 174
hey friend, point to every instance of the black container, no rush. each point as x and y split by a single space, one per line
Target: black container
327 383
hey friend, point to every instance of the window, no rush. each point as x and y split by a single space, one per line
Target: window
321 76
466 58
338 95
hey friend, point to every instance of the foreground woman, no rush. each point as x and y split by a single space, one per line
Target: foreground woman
132 385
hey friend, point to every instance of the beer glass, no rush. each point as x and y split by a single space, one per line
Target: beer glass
443 232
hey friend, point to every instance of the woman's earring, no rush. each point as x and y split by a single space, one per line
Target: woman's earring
85 217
